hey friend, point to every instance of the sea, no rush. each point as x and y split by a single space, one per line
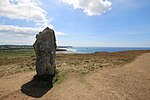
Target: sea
102 49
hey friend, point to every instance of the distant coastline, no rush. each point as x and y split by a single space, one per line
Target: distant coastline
71 49
15 47
85 50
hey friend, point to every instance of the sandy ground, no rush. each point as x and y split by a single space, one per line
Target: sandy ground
128 82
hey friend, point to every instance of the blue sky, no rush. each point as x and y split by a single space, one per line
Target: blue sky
97 23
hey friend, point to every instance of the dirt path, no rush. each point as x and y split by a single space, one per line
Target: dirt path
129 82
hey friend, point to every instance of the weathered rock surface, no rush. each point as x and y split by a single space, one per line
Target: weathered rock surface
45 47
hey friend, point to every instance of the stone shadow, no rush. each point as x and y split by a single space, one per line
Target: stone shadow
38 86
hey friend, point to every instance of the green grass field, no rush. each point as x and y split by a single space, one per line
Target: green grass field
17 53
14 61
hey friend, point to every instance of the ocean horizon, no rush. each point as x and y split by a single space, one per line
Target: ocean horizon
102 49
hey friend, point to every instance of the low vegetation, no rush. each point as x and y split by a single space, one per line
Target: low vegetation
22 60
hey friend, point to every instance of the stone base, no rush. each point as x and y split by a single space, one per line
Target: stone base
44 77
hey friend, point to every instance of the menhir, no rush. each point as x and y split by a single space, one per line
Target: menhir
45 47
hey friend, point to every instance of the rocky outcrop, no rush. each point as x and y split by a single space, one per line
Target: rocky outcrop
45 47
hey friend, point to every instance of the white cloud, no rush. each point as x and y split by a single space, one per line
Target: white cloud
17 31
90 7
59 33
15 40
10 30
29 10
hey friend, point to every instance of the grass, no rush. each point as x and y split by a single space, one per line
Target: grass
23 60
16 60
86 63
16 53
59 77
15 56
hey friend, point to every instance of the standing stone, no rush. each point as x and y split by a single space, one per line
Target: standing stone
45 47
